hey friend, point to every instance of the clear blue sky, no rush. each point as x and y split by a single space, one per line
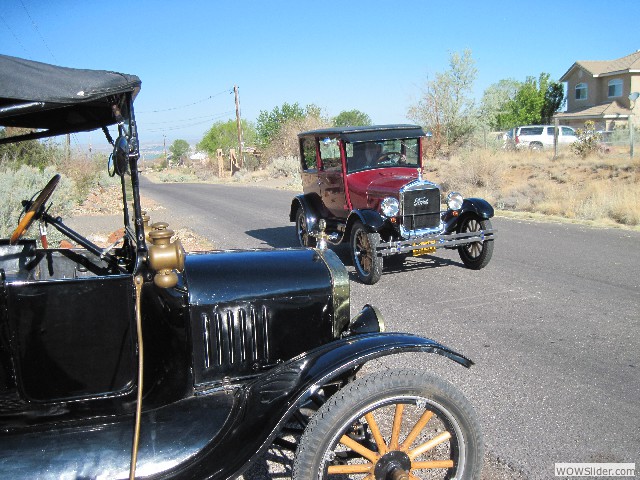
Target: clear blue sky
373 56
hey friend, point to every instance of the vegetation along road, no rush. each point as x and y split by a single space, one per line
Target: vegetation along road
552 323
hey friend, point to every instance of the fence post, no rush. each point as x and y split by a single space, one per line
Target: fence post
556 131
220 158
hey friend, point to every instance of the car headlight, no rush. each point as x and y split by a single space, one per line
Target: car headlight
454 201
390 207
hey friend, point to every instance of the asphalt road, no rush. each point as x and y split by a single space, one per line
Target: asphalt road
552 323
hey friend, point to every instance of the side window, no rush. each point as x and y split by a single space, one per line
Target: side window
308 151
551 131
568 132
614 88
330 154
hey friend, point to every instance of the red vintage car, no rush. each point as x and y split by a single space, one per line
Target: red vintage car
366 184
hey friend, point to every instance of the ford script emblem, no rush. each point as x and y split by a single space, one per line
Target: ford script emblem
421 202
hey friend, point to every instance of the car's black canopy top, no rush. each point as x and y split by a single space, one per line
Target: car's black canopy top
368 133
52 100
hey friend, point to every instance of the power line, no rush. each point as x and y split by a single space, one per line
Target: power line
203 117
14 35
187 105
38 32
180 127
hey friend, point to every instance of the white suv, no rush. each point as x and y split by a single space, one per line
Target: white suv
537 137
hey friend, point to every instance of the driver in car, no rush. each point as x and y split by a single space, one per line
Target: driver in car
366 155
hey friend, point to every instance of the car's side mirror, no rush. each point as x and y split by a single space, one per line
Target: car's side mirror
119 159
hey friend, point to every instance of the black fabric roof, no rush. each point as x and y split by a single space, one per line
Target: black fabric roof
57 100
368 133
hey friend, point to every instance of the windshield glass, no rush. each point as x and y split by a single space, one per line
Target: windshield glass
382 154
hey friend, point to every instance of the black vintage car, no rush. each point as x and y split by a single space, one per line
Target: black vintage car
141 361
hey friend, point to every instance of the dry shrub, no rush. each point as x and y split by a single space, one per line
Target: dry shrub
599 188
472 172
85 171
285 144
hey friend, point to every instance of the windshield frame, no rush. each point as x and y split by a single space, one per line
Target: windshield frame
366 155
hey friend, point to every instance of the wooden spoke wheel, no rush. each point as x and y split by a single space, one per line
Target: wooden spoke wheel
367 263
302 230
34 211
475 255
396 425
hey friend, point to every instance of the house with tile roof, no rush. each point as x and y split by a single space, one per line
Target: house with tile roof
599 90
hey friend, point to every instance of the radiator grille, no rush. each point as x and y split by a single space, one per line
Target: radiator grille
421 209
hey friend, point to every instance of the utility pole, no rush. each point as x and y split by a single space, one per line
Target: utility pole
239 124
164 145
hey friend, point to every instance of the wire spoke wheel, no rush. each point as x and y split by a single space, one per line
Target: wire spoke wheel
395 425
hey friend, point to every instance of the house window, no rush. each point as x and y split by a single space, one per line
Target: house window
581 91
615 88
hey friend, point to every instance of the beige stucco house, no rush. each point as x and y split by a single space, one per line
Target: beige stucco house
599 90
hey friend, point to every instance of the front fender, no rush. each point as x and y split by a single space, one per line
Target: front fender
307 205
470 206
371 219
273 398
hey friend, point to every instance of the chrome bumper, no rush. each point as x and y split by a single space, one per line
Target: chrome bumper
438 241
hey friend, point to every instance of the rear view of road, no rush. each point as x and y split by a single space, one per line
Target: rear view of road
552 322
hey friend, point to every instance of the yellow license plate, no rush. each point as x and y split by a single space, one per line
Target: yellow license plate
424 250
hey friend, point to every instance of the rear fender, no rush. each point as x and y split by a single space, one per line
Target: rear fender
470 206
273 398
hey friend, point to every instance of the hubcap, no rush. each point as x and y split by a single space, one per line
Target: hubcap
393 465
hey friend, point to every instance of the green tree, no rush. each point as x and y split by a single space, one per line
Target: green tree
269 124
224 135
535 102
179 149
553 101
494 101
351 118
446 107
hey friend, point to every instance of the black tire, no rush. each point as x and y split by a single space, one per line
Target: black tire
364 245
475 255
302 231
346 417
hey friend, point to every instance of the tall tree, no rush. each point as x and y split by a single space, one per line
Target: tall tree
553 101
224 135
535 102
268 124
446 107
351 118
494 103
179 149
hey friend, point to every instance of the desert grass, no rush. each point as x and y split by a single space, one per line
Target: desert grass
603 189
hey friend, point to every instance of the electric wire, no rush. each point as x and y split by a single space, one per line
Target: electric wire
35 27
210 97
14 35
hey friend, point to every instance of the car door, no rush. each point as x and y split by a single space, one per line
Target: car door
567 135
331 179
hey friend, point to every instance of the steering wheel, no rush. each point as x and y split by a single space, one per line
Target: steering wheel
33 213
390 156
